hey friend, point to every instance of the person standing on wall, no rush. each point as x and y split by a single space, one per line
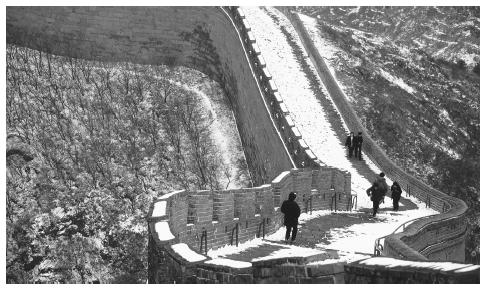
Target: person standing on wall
358 142
291 211
350 144
396 192
375 196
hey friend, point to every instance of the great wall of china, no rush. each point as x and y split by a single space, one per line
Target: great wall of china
218 41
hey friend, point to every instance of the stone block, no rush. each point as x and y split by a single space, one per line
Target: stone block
242 279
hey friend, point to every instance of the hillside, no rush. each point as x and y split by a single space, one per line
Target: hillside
104 139
412 76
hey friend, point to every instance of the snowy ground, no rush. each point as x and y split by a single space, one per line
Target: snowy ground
313 123
353 243
223 128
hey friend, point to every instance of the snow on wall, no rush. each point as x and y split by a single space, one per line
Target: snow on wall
168 195
159 209
289 251
394 263
163 231
183 250
229 263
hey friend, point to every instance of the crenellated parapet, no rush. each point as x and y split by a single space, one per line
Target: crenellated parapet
298 149
190 223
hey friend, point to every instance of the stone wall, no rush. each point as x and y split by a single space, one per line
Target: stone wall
219 43
440 237
214 40
203 38
391 271
299 151
205 220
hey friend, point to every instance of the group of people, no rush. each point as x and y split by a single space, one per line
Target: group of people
354 144
378 191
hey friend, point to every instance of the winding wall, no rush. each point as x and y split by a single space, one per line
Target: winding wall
203 220
219 43
439 237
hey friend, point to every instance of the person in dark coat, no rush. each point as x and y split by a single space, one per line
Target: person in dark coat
358 142
375 196
350 144
396 192
291 211
382 185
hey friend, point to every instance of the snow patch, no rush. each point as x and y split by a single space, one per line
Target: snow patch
325 262
391 263
228 249
168 195
467 269
290 251
163 231
159 209
187 253
281 176
229 263
397 81
354 10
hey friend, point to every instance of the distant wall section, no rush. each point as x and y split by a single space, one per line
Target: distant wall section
439 237
203 38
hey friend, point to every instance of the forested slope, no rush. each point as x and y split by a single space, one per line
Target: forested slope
103 139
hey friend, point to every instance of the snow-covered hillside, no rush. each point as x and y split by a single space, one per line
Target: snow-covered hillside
418 98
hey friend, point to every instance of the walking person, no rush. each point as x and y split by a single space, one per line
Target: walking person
291 211
350 144
396 192
382 186
357 146
375 197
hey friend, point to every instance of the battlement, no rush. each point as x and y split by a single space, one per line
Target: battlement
211 219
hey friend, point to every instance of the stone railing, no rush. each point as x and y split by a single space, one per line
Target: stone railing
431 238
184 225
385 270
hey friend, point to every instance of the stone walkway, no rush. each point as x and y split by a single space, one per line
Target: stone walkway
271 250
311 233
317 231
